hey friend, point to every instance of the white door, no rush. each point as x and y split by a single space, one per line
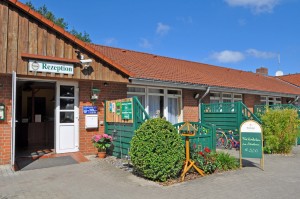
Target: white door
67 117
13 117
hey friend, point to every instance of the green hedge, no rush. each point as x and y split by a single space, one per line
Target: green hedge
280 129
157 150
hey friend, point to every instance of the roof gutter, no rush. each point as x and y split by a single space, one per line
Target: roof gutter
160 83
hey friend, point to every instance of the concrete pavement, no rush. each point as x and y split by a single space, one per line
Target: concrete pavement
99 179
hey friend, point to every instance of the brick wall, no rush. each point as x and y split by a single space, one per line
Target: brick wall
251 100
5 126
110 92
190 105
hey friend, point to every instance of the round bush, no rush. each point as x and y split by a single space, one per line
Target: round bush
157 150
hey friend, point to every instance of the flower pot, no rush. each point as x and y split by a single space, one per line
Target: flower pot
101 154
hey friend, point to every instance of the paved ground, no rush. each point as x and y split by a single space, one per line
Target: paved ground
99 179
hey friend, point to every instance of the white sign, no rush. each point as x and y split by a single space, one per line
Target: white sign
250 126
50 67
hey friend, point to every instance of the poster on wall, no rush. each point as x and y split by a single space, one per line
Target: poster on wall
127 110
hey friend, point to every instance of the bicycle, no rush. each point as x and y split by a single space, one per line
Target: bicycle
222 141
233 143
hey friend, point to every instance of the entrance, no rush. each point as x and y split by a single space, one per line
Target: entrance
46 118
34 129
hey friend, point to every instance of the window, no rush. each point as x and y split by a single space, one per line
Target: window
138 92
225 97
215 98
266 100
159 102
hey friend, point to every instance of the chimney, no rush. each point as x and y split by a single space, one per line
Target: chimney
262 71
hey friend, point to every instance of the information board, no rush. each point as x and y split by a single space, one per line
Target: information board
90 110
126 110
251 141
251 145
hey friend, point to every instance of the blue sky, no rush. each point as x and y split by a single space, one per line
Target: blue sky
239 34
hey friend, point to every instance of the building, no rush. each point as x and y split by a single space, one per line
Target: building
293 79
47 77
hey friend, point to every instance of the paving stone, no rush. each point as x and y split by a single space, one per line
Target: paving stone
101 179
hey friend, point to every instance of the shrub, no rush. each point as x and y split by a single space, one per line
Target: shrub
280 129
157 150
224 162
209 161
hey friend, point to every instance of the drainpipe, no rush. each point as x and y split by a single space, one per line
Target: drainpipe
200 101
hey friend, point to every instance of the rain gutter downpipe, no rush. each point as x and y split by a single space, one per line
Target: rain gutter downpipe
200 101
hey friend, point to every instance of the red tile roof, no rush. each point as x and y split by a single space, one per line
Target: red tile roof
149 66
293 78
66 34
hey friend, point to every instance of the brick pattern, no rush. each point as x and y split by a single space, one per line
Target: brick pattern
190 105
110 92
251 100
5 126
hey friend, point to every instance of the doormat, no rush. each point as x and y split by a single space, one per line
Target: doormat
25 164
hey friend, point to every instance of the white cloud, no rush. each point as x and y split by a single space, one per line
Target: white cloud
144 43
110 41
228 56
162 29
261 54
257 6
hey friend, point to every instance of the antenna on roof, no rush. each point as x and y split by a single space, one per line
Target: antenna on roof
279 72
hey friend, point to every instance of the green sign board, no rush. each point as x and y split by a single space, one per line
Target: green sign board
251 141
251 145
127 110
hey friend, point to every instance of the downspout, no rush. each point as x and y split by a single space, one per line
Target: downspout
200 101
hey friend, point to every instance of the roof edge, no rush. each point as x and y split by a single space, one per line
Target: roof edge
67 35
153 82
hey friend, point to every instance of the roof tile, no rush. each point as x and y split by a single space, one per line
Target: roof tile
148 66
293 78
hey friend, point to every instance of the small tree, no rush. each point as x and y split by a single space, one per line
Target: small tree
157 150
43 10
280 130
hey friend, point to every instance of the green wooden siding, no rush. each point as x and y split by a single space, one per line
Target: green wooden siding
226 116
122 133
205 136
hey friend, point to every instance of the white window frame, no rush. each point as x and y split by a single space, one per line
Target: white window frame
233 97
267 100
164 94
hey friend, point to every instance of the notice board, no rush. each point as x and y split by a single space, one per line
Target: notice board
251 141
120 111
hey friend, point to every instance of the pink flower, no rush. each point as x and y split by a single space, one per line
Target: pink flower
97 138
105 135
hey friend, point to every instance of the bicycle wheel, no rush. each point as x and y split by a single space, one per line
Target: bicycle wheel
222 140
229 144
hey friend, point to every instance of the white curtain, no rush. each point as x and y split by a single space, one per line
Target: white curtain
173 110
154 106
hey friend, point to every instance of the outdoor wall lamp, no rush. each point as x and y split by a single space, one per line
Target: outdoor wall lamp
196 95
95 94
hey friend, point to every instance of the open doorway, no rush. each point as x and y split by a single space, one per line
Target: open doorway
35 116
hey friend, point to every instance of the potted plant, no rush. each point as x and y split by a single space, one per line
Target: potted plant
102 142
